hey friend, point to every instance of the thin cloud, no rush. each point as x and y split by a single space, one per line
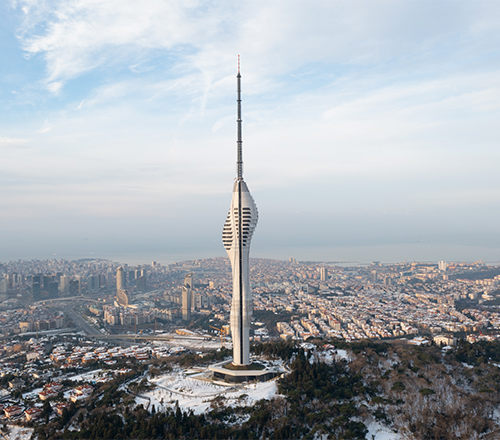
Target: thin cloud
12 141
76 36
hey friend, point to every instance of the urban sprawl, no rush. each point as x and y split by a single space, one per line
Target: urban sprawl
59 318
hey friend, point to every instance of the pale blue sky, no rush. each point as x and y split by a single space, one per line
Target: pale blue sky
370 128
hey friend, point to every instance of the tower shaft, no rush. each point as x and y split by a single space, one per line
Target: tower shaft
236 236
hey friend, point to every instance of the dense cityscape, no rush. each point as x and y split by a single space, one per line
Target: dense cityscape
70 326
352 303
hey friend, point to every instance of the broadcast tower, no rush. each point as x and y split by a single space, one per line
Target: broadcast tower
236 236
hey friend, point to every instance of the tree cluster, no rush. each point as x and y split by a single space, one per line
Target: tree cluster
420 392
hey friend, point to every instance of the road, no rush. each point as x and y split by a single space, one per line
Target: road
81 323
69 305
161 337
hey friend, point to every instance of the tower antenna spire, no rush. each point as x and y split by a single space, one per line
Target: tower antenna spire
239 163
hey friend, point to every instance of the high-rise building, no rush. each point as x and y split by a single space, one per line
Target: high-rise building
13 280
50 286
64 284
141 280
93 282
122 298
75 286
187 297
236 236
3 285
442 266
120 279
323 273
37 286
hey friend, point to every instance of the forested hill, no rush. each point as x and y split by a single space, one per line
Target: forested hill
334 390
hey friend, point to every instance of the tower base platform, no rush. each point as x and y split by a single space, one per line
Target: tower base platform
255 372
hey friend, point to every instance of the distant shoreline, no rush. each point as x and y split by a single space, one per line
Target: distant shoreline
136 260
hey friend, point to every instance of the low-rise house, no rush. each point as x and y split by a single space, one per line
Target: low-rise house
88 358
60 407
141 356
54 386
444 340
12 411
47 394
84 389
32 356
32 413
16 383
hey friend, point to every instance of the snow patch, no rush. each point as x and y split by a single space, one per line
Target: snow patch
18 433
496 415
32 394
87 377
343 355
377 431
197 393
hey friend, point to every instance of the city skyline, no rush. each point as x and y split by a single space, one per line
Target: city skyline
376 125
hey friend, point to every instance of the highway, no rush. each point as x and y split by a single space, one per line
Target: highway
70 310
68 305
161 337
81 323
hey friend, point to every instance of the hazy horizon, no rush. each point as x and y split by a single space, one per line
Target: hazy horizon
359 255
